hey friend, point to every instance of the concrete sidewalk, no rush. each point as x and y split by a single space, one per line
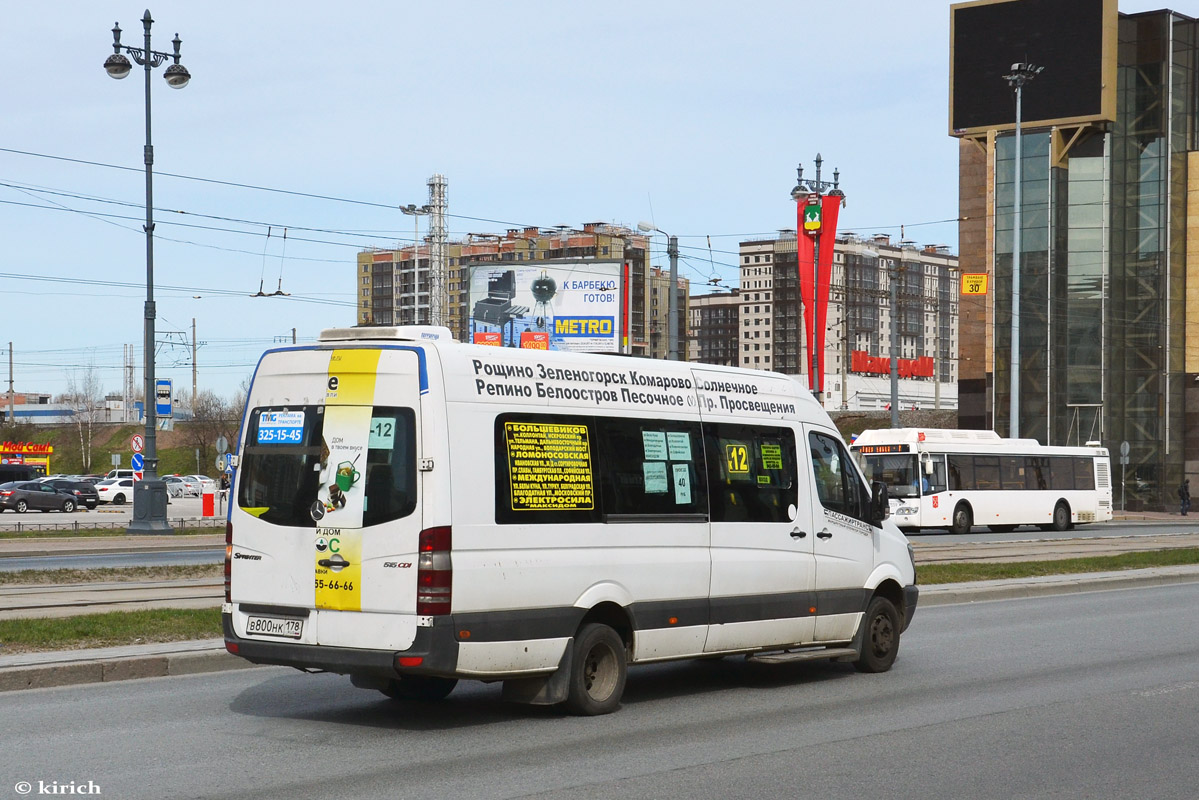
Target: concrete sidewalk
100 665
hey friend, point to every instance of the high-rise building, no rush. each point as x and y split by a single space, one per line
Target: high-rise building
1108 323
858 323
713 328
394 287
659 315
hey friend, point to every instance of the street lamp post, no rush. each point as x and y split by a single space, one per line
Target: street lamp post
150 495
1021 74
672 302
434 315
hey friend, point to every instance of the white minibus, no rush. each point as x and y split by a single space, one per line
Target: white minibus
411 511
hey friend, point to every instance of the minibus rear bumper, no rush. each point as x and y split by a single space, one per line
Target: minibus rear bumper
434 651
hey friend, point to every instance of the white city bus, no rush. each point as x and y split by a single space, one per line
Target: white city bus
956 479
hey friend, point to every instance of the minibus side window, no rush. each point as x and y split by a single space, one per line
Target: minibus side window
838 484
279 472
545 469
650 467
751 472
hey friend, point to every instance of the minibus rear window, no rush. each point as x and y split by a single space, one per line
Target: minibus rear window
280 465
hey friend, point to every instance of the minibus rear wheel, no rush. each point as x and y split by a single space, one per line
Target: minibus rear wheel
422 688
598 669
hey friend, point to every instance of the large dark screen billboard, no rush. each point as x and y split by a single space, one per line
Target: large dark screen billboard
1074 40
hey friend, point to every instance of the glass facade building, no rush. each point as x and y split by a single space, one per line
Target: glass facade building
1104 347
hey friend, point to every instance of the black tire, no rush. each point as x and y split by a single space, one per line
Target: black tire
22 507
880 642
598 670
1001 528
119 500
963 519
68 506
1061 516
420 688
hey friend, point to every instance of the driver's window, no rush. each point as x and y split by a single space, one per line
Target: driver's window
838 485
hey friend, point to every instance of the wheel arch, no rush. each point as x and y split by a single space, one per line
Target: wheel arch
615 616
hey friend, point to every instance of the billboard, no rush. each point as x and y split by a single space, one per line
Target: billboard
1075 42
547 305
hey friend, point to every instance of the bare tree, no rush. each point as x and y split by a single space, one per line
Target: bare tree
84 397
212 417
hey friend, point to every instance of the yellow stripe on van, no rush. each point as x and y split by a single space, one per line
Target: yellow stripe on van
352 376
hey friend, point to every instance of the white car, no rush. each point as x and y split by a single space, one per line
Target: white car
117 491
203 483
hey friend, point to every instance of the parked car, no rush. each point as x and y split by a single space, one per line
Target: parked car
85 493
178 486
119 473
22 496
115 490
203 483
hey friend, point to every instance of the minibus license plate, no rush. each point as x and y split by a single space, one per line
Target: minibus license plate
275 626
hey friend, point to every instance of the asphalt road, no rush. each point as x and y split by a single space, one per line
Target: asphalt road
1073 696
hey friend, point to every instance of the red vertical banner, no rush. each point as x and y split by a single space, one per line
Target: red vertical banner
624 309
830 205
805 252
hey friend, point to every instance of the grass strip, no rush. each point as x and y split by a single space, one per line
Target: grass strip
174 624
987 571
113 629
170 572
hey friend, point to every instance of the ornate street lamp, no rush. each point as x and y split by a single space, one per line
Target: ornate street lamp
149 494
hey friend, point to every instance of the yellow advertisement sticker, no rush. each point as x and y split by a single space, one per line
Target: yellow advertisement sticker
352 376
549 466
338 578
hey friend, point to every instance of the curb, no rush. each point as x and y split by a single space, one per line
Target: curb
75 667
978 591
71 671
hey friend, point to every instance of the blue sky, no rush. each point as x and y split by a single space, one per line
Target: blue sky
690 114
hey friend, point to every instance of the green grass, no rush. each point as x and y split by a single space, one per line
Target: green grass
170 624
172 572
957 573
109 630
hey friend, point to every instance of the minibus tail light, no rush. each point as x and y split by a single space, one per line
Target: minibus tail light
434 572
228 561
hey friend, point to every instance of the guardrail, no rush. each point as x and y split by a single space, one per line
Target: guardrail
216 523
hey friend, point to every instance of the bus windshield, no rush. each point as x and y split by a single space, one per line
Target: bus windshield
899 472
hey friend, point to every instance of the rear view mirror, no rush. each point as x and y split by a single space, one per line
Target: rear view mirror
880 504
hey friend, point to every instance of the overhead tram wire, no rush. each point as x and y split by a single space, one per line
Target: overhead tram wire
372 204
319 300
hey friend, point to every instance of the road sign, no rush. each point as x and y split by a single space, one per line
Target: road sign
974 283
220 462
222 444
1124 448
162 397
116 459
137 442
137 476
138 462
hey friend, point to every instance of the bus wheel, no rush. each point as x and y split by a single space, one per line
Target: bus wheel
963 520
598 669
422 688
880 645
1061 516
